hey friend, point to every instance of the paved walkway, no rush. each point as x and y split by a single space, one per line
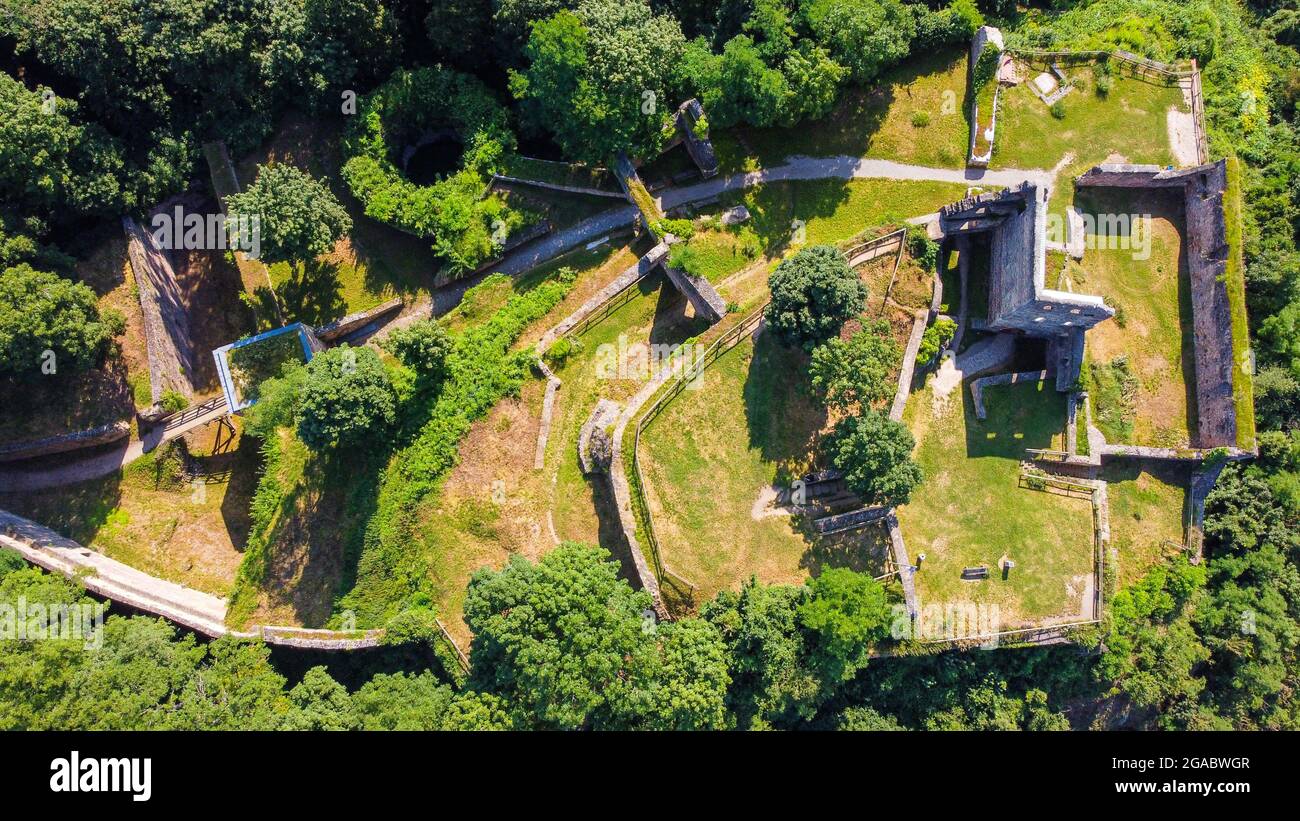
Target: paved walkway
847 168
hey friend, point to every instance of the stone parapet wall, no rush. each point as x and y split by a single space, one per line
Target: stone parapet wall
65 442
346 325
1205 238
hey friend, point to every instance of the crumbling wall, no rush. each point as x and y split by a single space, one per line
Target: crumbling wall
1205 240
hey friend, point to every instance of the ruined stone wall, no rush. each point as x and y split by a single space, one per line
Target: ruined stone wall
1205 241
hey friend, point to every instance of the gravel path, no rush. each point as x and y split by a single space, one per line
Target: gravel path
847 168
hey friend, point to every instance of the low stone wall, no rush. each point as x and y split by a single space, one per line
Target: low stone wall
554 186
342 327
977 386
909 366
906 570
65 442
548 411
193 609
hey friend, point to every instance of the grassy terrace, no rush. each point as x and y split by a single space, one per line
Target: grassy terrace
877 122
1129 122
715 458
184 521
1147 507
494 504
711 460
1148 395
971 510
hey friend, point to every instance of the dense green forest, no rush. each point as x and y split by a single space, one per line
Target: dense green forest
104 107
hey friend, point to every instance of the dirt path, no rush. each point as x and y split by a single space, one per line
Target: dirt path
100 464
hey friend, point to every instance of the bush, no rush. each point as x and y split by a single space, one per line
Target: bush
173 401
42 312
875 453
813 293
1058 110
921 248
347 398
422 347
683 229
935 337
1103 86
920 119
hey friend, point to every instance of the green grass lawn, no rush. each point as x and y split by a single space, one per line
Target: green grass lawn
710 459
1152 327
494 503
716 253
1147 501
971 509
1129 122
186 525
871 122
835 210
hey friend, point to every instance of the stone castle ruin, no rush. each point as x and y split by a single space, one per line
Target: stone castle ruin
1014 224
1020 302
1206 245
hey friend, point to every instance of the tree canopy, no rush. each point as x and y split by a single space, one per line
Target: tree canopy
814 293
298 217
859 371
347 398
42 312
875 453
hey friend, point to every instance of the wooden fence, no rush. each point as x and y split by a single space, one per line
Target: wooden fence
1141 65
721 345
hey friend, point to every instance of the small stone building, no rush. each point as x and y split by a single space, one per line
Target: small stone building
1020 302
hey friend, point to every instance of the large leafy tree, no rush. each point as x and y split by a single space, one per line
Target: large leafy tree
866 36
49 164
601 78
875 454
347 398
318 702
42 312
772 685
857 371
813 293
568 644
298 217
846 613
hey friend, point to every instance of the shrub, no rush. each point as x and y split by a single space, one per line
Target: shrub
1058 110
1103 86
683 229
813 293
173 401
920 119
346 398
934 338
921 248
423 347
